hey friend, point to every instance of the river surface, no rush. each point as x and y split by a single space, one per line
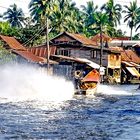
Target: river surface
113 114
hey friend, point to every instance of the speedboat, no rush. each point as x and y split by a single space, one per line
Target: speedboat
88 84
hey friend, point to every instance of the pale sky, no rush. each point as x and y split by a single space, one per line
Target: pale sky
24 5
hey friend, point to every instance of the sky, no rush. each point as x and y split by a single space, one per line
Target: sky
24 5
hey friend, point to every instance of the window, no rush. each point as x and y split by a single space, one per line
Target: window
94 54
64 52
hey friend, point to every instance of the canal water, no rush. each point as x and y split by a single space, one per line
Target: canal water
53 113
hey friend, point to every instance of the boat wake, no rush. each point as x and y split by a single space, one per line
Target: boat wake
24 82
117 90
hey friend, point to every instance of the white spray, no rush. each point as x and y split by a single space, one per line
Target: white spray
117 89
22 82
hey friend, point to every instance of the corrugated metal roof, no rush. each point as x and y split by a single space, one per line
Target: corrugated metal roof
33 58
83 39
68 58
118 49
30 56
121 38
130 56
105 38
42 51
124 42
12 42
79 60
78 37
133 71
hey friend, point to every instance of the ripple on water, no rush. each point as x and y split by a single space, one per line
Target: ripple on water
78 118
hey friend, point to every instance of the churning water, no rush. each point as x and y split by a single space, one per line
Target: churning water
24 82
36 106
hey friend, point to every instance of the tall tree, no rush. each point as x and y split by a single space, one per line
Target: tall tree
113 11
138 22
66 16
88 11
132 12
101 22
14 16
41 10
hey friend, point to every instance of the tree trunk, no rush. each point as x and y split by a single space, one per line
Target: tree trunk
47 42
131 33
101 47
101 52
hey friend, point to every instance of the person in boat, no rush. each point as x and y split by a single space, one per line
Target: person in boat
78 76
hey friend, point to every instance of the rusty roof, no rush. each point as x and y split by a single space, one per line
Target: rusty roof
119 49
12 42
83 39
105 37
42 51
30 56
130 56
121 38
78 37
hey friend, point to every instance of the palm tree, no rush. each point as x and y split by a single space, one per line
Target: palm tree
14 16
88 11
113 11
132 13
138 21
101 23
65 17
40 9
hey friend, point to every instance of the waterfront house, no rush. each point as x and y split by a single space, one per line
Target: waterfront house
130 67
112 57
22 53
79 46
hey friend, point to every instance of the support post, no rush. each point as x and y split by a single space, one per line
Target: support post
101 52
47 43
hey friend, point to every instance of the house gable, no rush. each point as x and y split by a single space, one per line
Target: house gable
65 38
74 39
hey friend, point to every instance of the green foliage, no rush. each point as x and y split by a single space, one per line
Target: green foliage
14 16
6 29
132 14
63 15
6 56
136 37
113 11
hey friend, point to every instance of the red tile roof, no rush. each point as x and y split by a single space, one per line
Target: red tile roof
12 42
130 56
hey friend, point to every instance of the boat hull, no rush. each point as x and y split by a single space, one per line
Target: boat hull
87 90
88 84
